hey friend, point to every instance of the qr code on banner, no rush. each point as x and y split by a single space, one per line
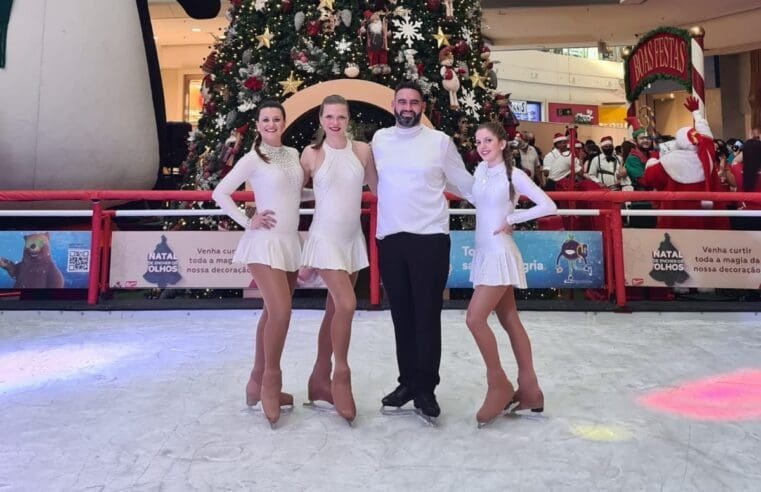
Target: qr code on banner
79 261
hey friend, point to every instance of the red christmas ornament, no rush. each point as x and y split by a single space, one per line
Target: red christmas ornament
487 107
236 3
286 6
228 67
253 84
209 108
313 28
433 5
461 47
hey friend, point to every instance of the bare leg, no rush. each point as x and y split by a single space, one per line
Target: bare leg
529 394
500 391
319 380
276 290
341 289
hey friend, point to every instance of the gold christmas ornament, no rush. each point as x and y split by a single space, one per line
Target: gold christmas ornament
291 84
264 39
326 4
441 38
478 80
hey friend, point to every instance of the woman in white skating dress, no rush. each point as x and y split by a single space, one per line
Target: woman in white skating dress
336 247
270 246
497 268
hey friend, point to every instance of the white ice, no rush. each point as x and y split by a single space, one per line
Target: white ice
155 401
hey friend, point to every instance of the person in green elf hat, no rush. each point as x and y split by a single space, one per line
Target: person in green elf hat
634 166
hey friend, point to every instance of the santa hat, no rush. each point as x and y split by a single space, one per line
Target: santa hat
606 140
559 137
578 145
636 130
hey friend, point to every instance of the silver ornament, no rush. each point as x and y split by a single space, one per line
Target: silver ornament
298 20
346 17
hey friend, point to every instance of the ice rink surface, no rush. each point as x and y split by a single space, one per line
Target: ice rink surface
155 401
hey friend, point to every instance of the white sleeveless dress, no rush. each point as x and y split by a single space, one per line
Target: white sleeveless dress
335 239
277 186
497 260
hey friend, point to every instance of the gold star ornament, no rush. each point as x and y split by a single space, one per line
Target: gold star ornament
477 80
325 4
441 38
264 39
291 84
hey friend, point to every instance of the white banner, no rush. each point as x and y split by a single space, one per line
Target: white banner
691 258
184 260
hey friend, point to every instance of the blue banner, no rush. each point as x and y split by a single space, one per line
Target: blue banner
44 260
551 259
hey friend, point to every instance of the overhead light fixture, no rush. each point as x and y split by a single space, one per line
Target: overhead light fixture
195 29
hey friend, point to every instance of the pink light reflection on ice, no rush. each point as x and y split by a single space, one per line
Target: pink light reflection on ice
32 367
732 396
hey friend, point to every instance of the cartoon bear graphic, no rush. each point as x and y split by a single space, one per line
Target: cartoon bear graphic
36 269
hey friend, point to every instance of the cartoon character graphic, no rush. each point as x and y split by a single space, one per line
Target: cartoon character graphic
574 254
36 269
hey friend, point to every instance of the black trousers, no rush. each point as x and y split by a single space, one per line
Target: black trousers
414 270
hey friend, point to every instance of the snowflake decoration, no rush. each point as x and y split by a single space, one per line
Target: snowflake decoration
467 36
259 5
343 46
407 30
220 121
468 100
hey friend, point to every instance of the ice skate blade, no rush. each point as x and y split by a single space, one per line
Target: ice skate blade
284 410
320 406
431 421
396 410
525 413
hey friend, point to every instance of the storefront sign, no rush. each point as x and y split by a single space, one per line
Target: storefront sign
585 114
44 260
184 260
661 54
558 259
687 258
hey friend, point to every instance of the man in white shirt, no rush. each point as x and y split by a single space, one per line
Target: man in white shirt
604 167
557 163
529 158
415 164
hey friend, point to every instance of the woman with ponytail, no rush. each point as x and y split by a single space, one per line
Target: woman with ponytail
270 246
497 269
336 246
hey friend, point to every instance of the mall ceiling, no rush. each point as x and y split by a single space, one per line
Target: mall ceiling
731 25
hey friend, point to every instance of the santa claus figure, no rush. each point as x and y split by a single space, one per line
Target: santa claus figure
686 163
377 44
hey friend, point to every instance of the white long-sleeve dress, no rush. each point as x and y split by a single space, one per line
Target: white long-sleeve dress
277 187
497 260
335 239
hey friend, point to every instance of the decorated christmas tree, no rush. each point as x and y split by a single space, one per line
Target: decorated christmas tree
273 49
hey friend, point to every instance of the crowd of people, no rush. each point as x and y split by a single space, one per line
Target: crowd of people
692 160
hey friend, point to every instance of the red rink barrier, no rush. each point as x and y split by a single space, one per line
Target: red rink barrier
612 233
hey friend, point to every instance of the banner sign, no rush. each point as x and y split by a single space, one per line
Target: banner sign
44 260
551 259
661 54
184 260
691 258
584 114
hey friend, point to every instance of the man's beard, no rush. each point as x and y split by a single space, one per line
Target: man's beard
408 121
645 146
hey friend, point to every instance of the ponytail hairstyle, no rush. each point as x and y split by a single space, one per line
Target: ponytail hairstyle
751 164
319 138
267 103
498 131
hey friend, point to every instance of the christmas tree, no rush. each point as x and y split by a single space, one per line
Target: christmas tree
275 48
